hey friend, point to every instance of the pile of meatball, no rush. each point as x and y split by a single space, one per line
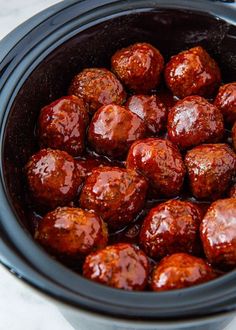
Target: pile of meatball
113 144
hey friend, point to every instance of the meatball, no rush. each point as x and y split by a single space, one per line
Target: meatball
138 66
116 194
192 72
160 162
121 266
180 270
62 125
171 227
210 168
193 121
151 110
226 102
232 192
218 233
234 136
113 129
72 232
52 178
97 87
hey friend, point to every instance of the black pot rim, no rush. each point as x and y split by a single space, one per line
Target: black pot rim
28 260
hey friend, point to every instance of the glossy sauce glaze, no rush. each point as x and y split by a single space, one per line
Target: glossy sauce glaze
150 109
52 178
226 102
114 193
97 87
128 233
160 162
180 270
171 227
211 169
72 232
192 72
62 125
133 188
131 232
138 66
193 121
218 233
122 266
113 129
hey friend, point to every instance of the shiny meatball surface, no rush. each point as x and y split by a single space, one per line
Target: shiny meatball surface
192 72
121 266
218 233
113 129
72 232
210 168
62 125
116 194
226 102
171 227
138 66
180 270
193 121
151 110
134 183
97 87
160 162
52 177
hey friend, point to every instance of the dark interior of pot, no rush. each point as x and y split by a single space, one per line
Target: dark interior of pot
169 30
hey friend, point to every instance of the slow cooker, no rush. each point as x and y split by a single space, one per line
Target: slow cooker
37 62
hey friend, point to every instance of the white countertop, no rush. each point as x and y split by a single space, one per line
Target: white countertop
20 307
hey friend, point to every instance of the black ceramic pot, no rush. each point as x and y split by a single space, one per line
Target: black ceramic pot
37 62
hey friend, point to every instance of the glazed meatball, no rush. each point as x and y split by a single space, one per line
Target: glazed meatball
121 266
97 87
232 192
138 66
160 162
72 232
62 125
151 110
226 102
210 169
113 129
218 233
180 270
193 121
234 136
192 72
171 227
116 194
52 178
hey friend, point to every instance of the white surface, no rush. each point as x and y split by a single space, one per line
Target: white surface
23 309
20 307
